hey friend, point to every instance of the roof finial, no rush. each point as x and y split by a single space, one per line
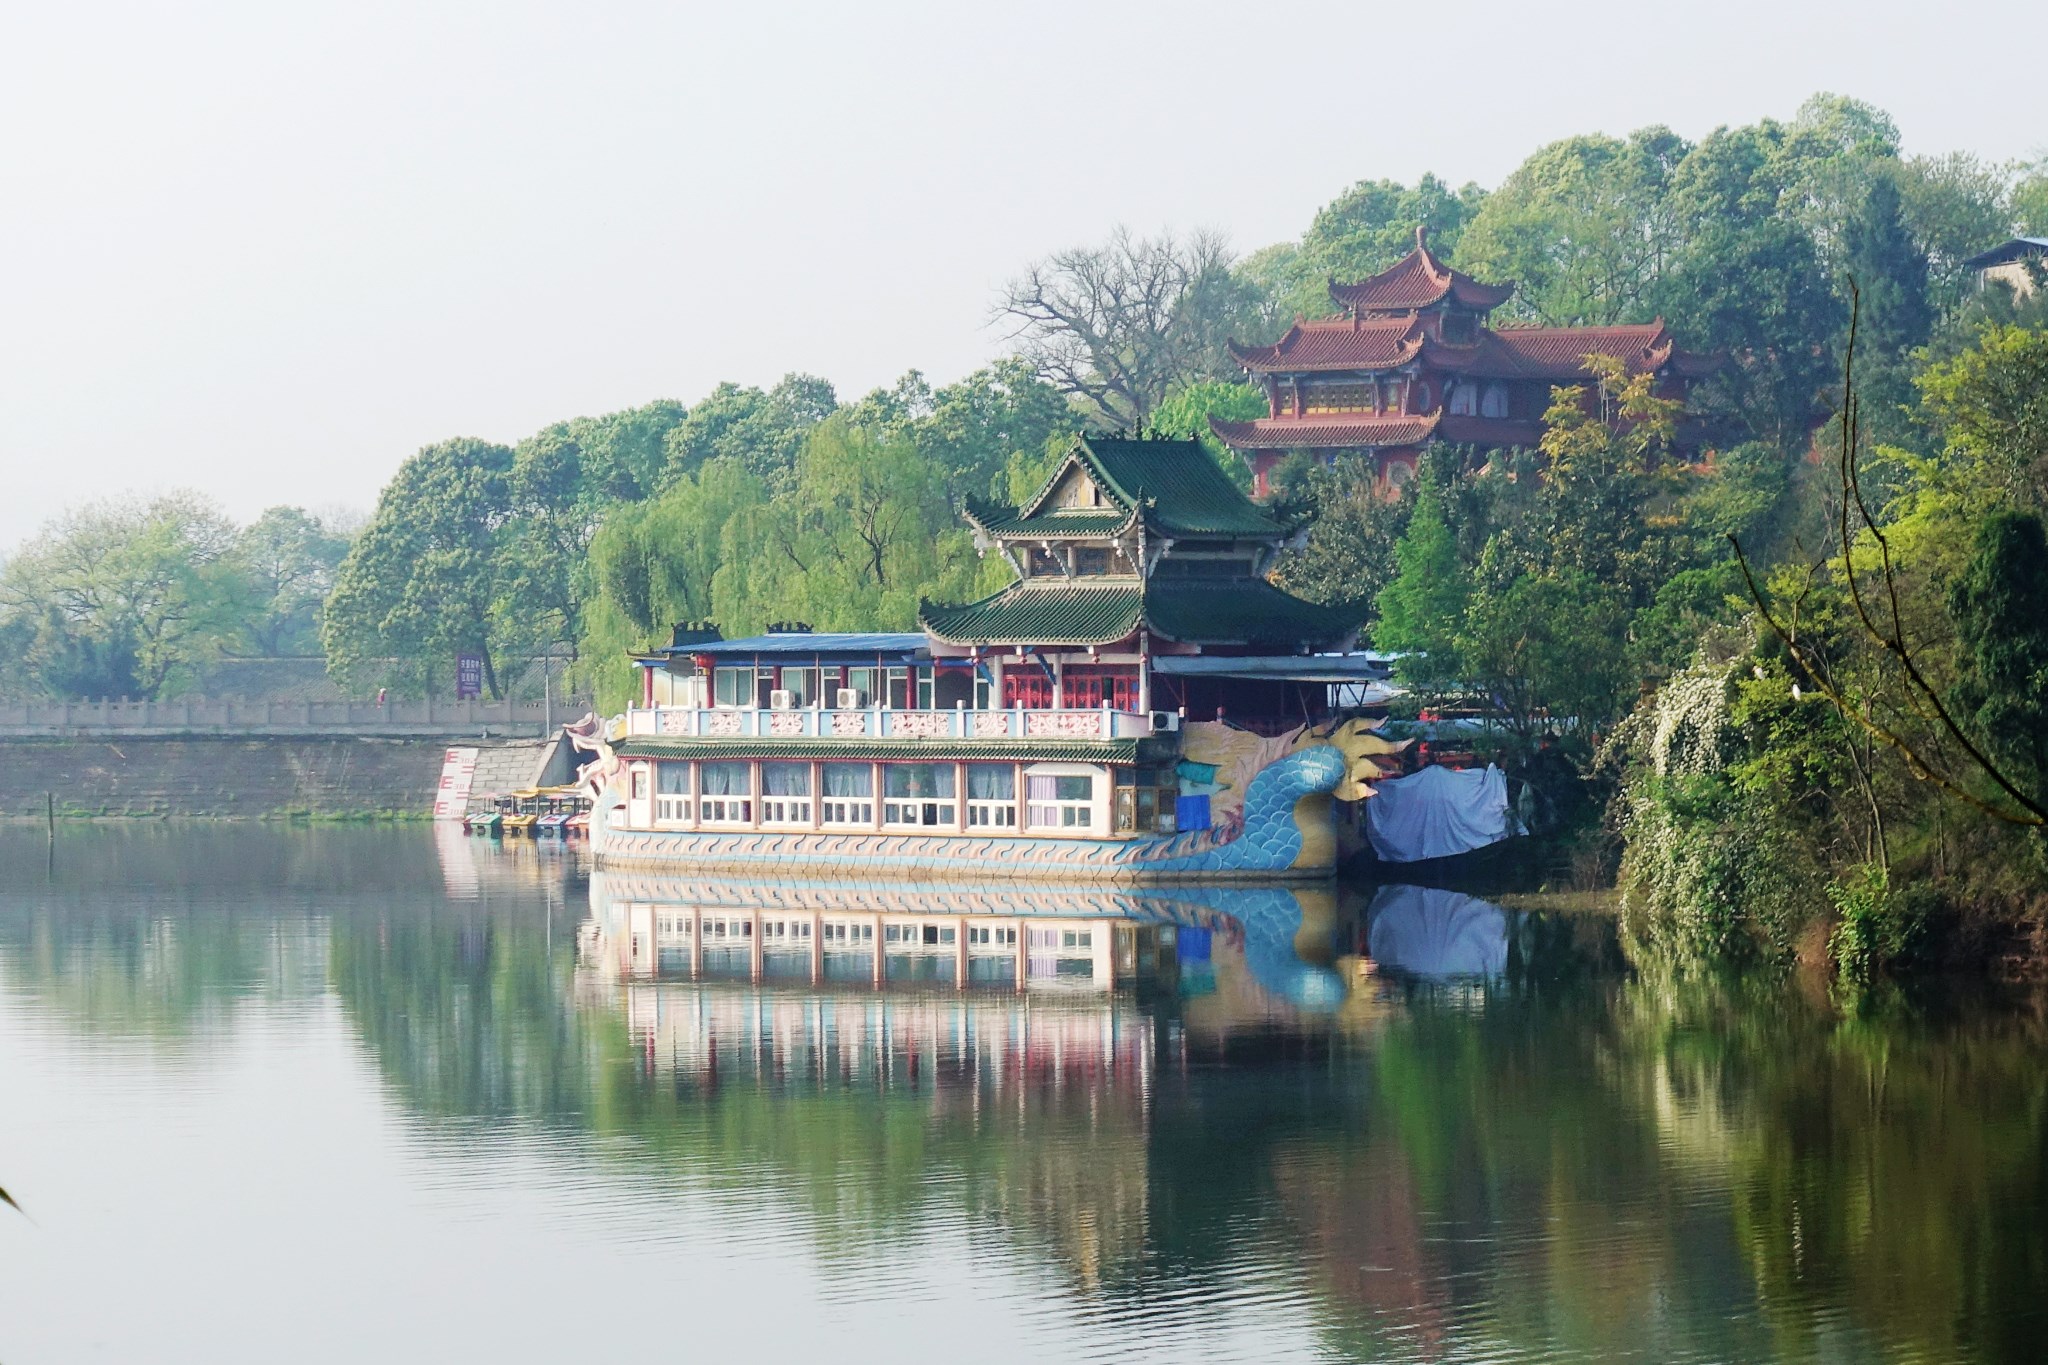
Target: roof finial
1422 236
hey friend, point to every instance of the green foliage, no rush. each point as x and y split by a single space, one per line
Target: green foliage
1549 650
864 531
1361 232
762 431
2000 608
1989 405
1583 227
427 578
1185 416
1878 927
288 559
1709 871
2030 201
122 598
1349 554
1423 608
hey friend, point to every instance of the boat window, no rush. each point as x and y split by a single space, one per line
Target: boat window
733 686
919 794
846 792
1060 802
786 793
991 796
672 792
801 684
725 789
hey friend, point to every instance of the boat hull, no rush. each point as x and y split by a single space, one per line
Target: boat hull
1287 833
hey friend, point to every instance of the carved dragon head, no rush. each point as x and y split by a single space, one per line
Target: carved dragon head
1361 745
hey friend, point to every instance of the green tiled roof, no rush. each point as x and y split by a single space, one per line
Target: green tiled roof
858 750
1179 487
1056 525
1246 612
1190 493
1234 612
1023 614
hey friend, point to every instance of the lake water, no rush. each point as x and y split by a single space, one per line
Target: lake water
345 1094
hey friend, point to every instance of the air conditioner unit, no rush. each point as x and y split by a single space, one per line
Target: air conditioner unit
849 699
780 700
1164 721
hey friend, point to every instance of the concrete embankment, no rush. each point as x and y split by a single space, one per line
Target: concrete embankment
246 777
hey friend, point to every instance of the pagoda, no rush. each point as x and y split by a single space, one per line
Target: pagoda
1409 359
1144 544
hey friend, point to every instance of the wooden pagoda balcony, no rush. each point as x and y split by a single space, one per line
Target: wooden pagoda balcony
882 723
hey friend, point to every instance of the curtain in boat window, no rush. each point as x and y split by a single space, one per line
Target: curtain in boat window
785 779
918 779
726 779
848 779
672 779
991 782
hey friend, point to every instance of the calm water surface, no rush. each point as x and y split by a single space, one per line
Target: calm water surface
348 1095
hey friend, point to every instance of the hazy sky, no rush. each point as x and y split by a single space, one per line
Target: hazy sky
267 250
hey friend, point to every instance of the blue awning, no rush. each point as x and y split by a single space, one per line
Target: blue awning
1312 668
858 648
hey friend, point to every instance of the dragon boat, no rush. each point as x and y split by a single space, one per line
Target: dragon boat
1140 704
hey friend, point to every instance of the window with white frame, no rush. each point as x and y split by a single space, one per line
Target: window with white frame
991 936
861 681
919 796
672 793
801 684
733 686
991 796
846 795
786 793
725 792
1060 801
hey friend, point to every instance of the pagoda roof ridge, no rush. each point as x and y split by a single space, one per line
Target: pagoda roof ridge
1238 612
1418 280
1175 486
1333 431
1344 342
1550 352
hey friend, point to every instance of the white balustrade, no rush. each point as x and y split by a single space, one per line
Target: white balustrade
690 722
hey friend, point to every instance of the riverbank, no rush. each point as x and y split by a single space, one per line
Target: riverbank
243 778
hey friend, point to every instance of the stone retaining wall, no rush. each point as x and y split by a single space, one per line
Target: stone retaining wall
247 778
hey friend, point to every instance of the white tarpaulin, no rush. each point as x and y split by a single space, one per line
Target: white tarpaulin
1437 812
1437 935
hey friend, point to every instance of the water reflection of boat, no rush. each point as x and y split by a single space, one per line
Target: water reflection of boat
1007 936
1436 935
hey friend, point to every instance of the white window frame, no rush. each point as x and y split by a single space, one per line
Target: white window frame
674 808
991 815
846 812
748 696
726 811
787 810
943 811
1066 815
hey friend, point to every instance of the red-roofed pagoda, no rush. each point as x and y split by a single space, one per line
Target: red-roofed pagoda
1409 359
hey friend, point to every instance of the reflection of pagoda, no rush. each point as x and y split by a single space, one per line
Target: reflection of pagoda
1409 359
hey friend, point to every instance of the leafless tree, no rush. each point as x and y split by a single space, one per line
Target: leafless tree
1120 326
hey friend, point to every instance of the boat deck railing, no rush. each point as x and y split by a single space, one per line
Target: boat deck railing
881 722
